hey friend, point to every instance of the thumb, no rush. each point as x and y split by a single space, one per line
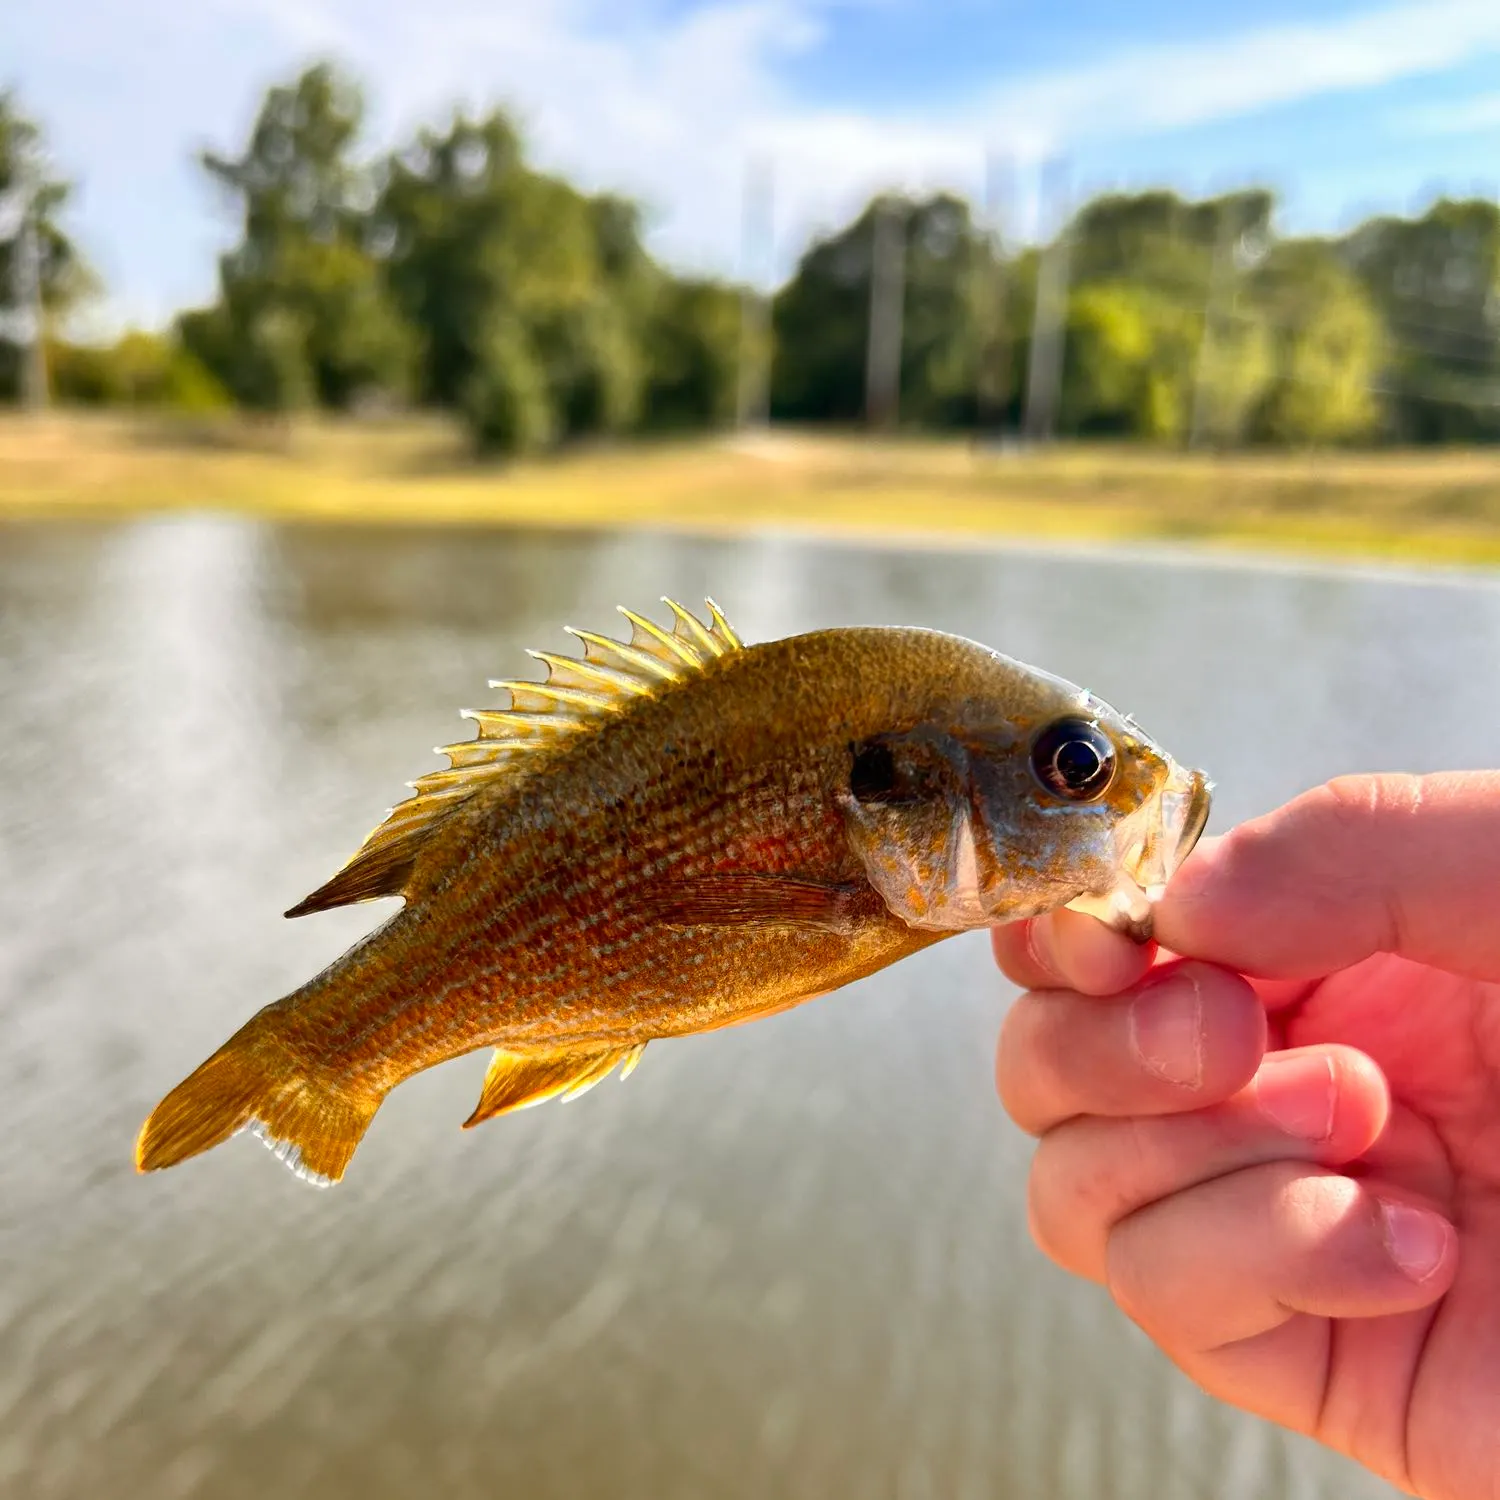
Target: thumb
1362 865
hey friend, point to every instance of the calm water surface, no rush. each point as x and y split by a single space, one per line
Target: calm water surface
786 1261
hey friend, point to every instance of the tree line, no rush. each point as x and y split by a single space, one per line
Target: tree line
452 274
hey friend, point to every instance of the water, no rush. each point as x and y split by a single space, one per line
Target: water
787 1260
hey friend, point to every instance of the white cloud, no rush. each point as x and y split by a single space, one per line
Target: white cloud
669 105
1167 87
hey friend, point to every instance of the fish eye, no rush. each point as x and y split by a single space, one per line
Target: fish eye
874 776
1074 759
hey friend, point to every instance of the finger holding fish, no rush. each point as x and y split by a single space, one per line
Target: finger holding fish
1322 1105
1190 1036
1070 950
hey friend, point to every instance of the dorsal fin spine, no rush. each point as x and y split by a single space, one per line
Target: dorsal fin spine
503 723
723 628
687 625
674 644
564 667
644 660
571 697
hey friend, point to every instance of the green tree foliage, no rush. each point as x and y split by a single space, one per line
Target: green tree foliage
1192 318
1436 283
1129 361
1327 348
139 370
693 355
441 222
821 318
1162 239
303 313
33 197
1144 354
504 399
451 270
498 264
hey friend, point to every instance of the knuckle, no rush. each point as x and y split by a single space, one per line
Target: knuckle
1040 1218
1127 1260
1087 1174
1027 1059
1056 1216
1358 797
1012 1064
1008 944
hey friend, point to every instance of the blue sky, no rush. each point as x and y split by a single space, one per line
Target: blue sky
1343 107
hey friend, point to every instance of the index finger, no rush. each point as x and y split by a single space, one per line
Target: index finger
1069 950
1362 865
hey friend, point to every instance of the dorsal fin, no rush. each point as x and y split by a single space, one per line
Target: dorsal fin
576 694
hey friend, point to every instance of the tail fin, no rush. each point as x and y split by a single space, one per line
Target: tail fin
313 1124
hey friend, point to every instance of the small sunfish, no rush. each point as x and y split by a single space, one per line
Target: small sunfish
678 833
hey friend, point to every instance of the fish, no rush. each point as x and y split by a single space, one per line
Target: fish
678 832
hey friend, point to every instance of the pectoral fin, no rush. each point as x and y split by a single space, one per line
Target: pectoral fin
517 1080
776 900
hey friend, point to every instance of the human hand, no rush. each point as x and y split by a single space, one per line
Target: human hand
1291 1181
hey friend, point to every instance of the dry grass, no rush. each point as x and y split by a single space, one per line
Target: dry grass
1441 507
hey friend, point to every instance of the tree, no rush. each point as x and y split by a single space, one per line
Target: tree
1161 239
303 312
32 203
1436 282
1161 339
438 222
504 398
139 369
821 318
527 293
1328 348
1129 362
692 355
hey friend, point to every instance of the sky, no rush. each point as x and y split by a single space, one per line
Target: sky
1344 108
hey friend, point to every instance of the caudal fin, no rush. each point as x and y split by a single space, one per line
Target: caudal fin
311 1123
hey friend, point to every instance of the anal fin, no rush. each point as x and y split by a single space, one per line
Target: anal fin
517 1080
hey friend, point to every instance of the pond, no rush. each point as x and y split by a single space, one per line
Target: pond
789 1259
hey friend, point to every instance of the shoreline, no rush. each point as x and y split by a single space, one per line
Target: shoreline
1434 514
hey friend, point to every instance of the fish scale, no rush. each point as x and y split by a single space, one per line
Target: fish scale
679 833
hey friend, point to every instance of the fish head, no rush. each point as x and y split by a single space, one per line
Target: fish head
987 812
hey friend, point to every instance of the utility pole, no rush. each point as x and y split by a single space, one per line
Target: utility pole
26 289
887 298
756 240
992 390
1044 375
1220 282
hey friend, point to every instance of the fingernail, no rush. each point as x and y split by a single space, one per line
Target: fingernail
1041 946
1416 1239
1297 1093
1166 1030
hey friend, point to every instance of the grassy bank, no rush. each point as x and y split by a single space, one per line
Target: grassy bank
1437 506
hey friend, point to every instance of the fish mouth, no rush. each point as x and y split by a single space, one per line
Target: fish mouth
1193 819
1150 846
1152 843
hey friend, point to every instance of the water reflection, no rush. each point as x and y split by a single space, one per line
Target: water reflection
789 1260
